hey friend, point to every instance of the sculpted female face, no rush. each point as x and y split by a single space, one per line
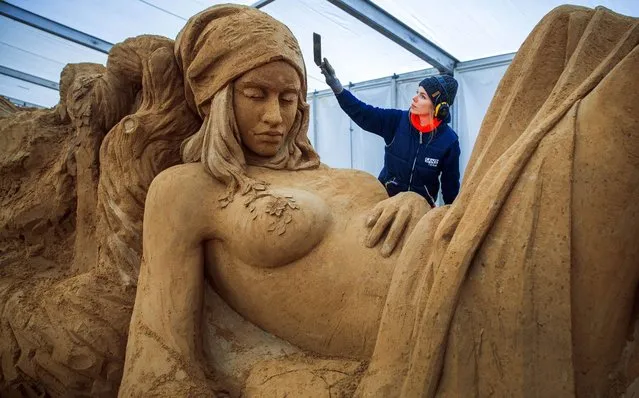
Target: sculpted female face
265 103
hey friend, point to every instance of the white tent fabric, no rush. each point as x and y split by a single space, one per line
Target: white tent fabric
367 151
38 53
470 29
27 93
476 90
332 137
357 51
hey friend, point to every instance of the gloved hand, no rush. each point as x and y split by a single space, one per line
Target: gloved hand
329 74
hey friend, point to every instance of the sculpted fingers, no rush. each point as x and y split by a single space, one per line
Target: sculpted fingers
374 216
380 226
396 231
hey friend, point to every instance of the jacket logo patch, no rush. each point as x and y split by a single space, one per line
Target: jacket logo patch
432 162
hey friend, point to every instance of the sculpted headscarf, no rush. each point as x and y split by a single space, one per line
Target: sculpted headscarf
222 43
216 47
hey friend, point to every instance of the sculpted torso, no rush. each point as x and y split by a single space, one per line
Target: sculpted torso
316 284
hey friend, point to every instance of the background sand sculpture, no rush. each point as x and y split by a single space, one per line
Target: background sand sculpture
529 280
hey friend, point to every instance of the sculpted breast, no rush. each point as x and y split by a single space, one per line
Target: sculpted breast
277 230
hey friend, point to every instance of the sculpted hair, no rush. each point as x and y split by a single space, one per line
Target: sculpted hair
219 147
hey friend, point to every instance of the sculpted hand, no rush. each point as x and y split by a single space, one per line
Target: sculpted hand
331 79
394 215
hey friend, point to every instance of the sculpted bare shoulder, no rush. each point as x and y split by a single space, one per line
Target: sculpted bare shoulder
184 196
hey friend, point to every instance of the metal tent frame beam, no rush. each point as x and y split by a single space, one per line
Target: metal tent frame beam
29 78
55 28
261 3
397 31
21 103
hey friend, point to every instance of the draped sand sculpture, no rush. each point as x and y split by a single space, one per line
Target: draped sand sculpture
255 271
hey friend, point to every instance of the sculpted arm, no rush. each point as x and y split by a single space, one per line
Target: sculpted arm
173 276
165 335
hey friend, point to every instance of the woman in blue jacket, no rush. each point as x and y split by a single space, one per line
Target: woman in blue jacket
420 146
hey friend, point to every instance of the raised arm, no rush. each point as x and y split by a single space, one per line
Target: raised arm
382 122
375 120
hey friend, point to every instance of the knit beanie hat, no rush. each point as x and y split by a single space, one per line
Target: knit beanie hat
442 88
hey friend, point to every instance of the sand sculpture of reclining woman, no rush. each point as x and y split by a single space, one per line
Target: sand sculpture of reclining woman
527 283
281 238
254 213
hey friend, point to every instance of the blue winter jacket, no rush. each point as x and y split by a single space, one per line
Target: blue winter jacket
412 161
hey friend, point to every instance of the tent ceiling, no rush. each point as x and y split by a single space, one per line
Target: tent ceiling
470 29
463 28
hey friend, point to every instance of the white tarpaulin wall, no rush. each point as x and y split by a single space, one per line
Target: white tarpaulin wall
477 84
341 143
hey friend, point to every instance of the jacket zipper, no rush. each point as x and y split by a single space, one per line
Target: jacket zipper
410 180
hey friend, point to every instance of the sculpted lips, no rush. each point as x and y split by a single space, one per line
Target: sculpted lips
271 135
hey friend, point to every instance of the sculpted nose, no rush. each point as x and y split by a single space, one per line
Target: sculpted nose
272 112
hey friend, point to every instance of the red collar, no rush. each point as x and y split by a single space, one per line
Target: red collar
414 120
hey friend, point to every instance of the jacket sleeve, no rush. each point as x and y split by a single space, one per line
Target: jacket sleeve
450 173
382 122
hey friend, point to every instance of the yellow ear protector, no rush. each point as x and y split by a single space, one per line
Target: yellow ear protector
442 110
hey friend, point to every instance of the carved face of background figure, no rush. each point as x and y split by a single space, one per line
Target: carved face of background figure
265 102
